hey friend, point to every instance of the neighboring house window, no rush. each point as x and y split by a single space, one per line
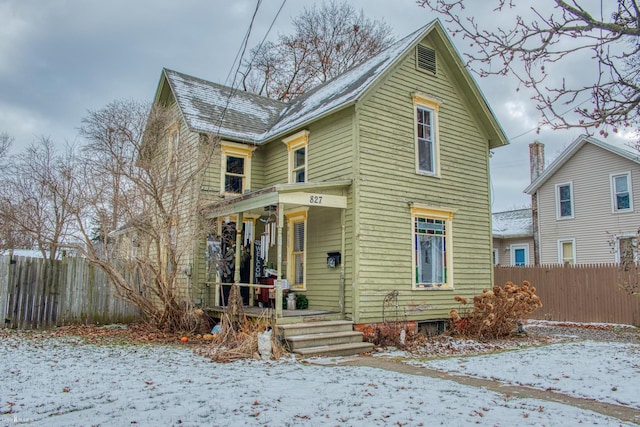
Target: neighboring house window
519 255
567 251
621 195
297 149
495 257
236 168
564 200
426 134
174 146
627 250
297 224
432 254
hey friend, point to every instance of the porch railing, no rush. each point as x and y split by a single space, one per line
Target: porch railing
276 287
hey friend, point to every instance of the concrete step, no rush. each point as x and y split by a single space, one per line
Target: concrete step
336 350
323 339
307 328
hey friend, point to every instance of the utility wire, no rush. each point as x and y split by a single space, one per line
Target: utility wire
237 62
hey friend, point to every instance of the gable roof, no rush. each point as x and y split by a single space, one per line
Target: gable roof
622 150
511 224
202 104
256 119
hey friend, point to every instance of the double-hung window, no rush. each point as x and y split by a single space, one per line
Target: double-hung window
564 200
627 250
426 134
432 255
567 251
621 195
235 170
297 152
297 244
519 254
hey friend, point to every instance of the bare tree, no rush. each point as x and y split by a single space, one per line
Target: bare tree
135 214
35 197
5 144
540 38
326 42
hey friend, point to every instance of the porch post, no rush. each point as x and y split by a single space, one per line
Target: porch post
236 274
279 265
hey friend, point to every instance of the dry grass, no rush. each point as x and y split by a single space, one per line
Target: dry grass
238 335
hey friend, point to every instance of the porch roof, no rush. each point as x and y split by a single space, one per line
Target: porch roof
318 194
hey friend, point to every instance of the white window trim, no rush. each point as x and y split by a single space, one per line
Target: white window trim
432 104
557 197
512 253
496 256
424 211
235 150
293 143
573 249
293 217
613 192
617 247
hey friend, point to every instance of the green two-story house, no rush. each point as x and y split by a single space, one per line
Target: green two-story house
371 188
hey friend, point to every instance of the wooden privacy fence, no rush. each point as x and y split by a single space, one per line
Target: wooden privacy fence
38 293
579 293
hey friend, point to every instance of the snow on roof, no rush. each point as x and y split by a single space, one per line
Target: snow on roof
246 115
343 89
256 119
515 223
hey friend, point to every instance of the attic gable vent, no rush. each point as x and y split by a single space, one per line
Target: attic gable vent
426 59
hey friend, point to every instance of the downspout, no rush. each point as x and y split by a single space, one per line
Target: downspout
342 302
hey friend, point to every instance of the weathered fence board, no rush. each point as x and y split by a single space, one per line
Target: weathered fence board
579 293
38 293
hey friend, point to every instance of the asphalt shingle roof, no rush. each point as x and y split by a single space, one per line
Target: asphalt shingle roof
253 118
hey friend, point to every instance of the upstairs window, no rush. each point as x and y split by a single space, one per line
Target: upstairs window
235 178
426 131
432 256
621 195
564 201
297 153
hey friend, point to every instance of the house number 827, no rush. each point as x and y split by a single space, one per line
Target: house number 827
315 200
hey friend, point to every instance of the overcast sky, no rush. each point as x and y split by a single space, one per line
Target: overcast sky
60 58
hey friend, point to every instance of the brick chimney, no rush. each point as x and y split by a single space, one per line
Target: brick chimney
536 164
536 159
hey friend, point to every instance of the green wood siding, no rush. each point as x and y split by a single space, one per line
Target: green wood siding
388 182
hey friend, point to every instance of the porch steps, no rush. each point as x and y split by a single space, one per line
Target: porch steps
324 338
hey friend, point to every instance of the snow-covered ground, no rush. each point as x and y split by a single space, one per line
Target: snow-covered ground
603 371
65 382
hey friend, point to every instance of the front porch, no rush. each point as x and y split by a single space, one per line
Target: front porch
271 225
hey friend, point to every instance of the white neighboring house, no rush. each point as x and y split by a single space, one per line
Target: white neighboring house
513 237
586 204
